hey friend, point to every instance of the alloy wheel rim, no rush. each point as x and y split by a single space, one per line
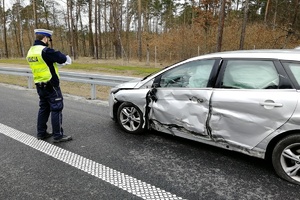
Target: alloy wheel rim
130 118
290 161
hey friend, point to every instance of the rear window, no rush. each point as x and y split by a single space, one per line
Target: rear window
295 69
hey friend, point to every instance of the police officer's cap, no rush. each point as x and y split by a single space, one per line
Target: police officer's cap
45 32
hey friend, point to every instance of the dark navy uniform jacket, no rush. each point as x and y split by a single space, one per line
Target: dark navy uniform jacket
51 56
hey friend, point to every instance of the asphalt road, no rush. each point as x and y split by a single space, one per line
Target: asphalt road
102 162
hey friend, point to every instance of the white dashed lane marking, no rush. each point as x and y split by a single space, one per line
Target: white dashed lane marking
116 178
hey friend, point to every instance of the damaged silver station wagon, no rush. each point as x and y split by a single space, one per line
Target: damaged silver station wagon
245 101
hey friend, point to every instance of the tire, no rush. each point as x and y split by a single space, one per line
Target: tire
130 118
286 158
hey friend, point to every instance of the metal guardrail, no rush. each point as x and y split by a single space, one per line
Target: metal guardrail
93 79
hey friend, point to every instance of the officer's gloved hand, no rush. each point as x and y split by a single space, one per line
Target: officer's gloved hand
69 60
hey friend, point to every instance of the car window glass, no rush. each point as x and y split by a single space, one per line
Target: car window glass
295 69
243 74
194 74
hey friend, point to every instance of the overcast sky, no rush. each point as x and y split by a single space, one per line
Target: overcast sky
9 3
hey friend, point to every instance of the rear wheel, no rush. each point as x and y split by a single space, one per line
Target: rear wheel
130 118
286 158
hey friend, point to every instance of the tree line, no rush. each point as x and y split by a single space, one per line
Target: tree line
166 30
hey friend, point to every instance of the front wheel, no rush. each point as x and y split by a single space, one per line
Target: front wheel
130 118
286 158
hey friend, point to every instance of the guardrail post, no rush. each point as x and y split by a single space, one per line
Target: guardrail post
93 91
30 82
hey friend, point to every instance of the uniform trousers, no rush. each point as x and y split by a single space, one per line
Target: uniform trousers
51 102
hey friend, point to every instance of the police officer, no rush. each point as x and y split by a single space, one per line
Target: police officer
44 62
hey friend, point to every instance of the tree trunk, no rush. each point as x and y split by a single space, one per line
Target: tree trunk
221 26
116 26
267 11
4 31
128 20
29 28
105 30
275 14
242 40
99 28
15 52
91 39
73 43
69 26
140 30
34 14
295 13
20 30
54 16
96 29
83 38
46 12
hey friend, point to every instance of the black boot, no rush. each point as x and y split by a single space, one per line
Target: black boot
64 138
45 136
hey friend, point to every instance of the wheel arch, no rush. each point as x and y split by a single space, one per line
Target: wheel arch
115 109
275 140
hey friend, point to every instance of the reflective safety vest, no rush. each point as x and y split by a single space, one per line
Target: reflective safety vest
40 70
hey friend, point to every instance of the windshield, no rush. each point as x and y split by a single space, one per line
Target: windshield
155 72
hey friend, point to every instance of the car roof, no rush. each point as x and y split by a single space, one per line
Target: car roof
280 54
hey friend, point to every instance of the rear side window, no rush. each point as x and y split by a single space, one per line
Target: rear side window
250 74
295 69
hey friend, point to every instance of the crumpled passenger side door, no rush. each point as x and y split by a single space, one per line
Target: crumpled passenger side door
182 99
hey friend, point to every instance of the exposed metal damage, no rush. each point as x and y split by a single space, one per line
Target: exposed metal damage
185 126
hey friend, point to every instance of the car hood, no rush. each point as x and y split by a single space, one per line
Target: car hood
130 84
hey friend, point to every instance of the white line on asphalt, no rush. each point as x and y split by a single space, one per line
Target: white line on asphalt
116 178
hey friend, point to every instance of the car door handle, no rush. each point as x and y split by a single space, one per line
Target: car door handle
195 99
271 104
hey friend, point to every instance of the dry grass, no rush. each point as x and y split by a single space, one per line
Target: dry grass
14 80
84 90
